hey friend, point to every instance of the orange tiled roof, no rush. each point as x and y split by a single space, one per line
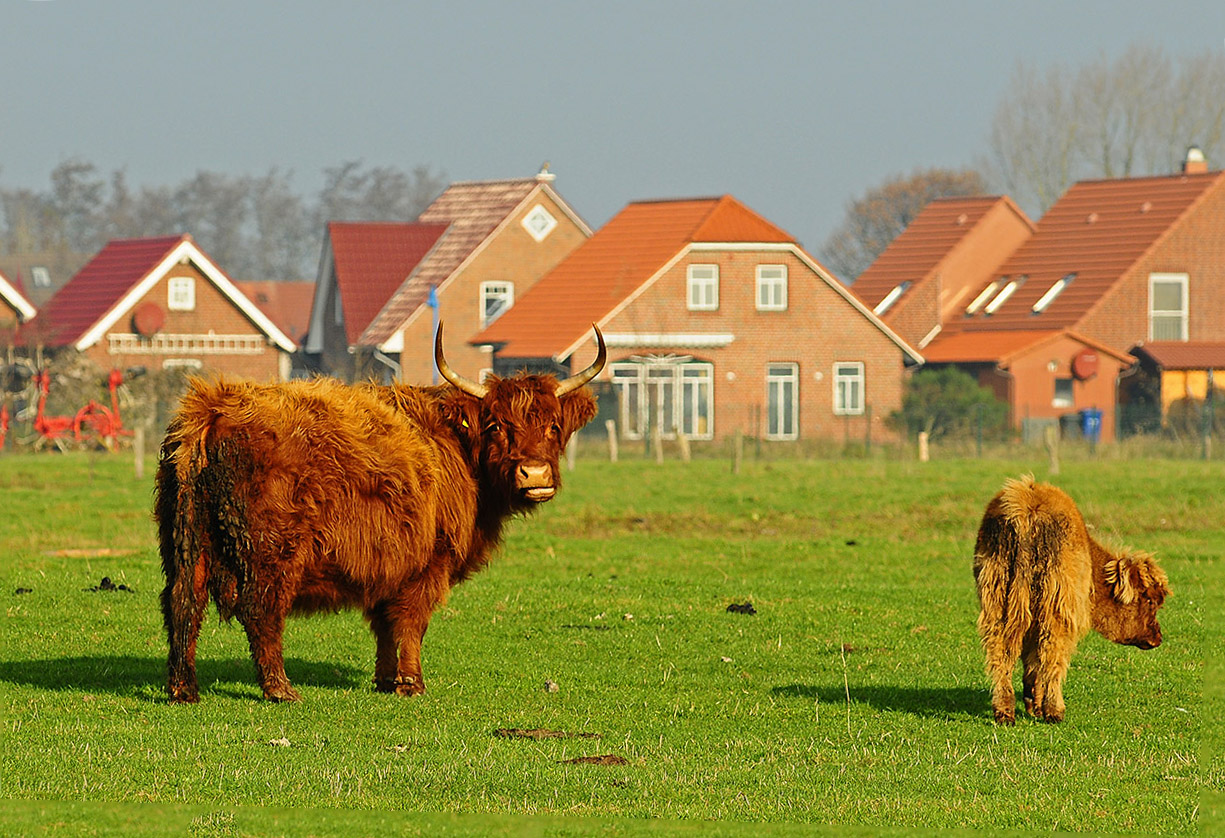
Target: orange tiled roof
287 304
1001 347
372 260
472 210
606 269
1096 231
922 246
1183 355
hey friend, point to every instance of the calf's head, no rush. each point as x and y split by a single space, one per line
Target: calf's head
518 426
1135 587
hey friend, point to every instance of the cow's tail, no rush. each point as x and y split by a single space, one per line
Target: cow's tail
185 556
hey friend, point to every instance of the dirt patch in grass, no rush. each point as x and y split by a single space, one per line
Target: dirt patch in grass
602 759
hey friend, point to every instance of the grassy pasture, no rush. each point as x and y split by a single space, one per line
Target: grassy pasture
854 696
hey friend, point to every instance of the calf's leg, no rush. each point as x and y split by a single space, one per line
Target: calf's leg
184 600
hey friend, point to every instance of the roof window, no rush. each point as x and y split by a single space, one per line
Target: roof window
1053 292
982 297
891 298
1002 297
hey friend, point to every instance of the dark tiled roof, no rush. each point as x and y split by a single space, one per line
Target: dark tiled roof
287 304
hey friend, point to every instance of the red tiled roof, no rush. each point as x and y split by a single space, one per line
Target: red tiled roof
1183 355
1097 231
600 274
372 261
99 286
287 304
920 248
473 210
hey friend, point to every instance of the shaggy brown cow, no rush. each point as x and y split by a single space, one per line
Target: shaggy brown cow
309 496
1043 582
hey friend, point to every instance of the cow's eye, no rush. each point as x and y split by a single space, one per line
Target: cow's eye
555 430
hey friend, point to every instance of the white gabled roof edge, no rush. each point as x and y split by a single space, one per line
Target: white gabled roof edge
16 299
789 247
186 249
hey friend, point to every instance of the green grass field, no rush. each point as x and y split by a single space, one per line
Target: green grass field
853 699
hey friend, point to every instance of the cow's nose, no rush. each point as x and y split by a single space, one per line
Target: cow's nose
535 475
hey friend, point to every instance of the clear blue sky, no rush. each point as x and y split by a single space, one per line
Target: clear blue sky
796 108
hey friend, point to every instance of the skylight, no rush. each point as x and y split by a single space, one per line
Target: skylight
1052 293
1002 297
983 296
891 298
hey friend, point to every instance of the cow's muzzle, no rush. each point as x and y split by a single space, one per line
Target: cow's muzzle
535 482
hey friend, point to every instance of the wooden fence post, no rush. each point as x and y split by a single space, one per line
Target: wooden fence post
657 440
737 451
571 452
682 443
611 427
138 448
1051 434
923 453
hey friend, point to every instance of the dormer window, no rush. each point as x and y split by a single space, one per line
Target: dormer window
1052 293
1002 297
982 297
891 298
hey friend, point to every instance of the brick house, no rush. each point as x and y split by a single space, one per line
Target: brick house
716 321
160 303
1112 264
472 253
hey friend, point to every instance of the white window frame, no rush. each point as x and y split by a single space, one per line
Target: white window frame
1070 399
775 287
843 378
691 384
539 222
1182 315
780 426
702 292
499 289
181 293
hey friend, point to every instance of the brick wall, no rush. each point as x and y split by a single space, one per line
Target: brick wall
213 312
512 255
818 329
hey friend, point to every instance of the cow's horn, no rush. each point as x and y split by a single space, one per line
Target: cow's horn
456 380
576 381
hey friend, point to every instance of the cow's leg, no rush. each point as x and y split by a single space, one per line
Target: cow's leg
1002 646
1029 660
184 600
264 622
1054 655
399 627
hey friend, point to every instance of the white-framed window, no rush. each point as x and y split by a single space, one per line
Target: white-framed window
1005 292
848 388
1167 307
1051 293
673 394
782 401
496 300
703 287
1063 393
539 223
771 287
40 276
181 293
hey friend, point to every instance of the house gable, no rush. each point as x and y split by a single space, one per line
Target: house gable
15 301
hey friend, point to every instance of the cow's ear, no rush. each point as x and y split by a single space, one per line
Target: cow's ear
463 413
1118 577
577 409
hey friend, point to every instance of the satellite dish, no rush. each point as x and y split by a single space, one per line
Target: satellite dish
148 319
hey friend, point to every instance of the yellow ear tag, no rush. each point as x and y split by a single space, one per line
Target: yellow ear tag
463 422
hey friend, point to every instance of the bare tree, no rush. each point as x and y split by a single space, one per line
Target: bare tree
382 193
1131 116
876 219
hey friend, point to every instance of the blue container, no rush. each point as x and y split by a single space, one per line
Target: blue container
1091 423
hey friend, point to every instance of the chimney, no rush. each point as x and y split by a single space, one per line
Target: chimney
1195 164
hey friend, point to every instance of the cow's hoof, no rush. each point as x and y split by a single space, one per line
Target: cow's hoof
1006 719
282 693
183 693
402 685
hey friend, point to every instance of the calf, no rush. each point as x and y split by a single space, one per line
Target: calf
1043 582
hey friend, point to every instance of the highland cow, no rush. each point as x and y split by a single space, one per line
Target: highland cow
313 495
1043 582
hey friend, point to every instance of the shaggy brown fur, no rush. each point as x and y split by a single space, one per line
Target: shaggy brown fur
308 496
1043 582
